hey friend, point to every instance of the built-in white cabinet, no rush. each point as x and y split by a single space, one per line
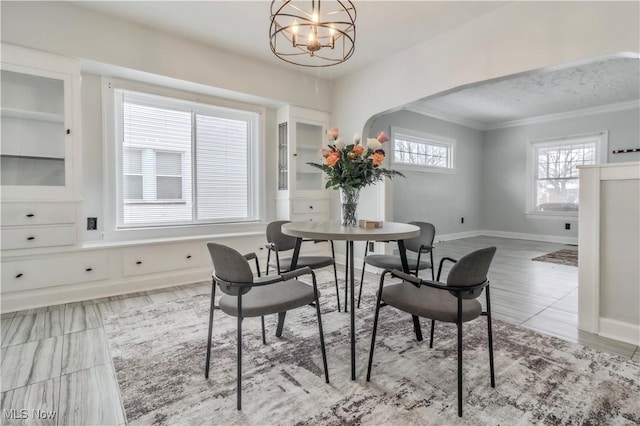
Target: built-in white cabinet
302 133
39 124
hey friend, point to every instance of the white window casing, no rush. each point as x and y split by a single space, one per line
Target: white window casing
418 151
552 175
172 159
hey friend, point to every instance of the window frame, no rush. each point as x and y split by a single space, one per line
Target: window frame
429 139
601 140
111 122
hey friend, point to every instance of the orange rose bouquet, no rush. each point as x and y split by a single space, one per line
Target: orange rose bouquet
354 166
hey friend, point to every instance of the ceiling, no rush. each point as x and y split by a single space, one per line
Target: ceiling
384 27
605 83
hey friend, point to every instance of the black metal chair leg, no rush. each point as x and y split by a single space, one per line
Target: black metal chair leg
239 360
335 273
416 328
364 264
322 346
281 316
459 323
211 308
493 380
373 334
433 323
433 275
264 335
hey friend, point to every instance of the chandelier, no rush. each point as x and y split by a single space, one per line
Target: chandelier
313 35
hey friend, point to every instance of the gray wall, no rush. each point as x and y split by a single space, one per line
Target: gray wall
439 198
488 188
504 167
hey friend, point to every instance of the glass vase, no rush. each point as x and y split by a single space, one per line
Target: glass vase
349 206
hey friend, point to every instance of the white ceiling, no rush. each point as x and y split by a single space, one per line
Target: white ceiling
600 84
384 27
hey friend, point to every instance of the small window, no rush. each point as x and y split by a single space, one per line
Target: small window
554 172
421 151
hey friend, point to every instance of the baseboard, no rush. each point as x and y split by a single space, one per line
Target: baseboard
30 299
618 330
458 235
532 237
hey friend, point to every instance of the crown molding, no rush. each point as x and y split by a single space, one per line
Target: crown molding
620 106
565 115
445 117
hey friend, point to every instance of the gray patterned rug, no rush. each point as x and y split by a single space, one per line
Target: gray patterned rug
561 257
159 351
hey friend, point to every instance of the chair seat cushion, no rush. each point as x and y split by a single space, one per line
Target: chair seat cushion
384 261
269 299
429 302
313 262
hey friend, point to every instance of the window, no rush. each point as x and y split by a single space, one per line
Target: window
421 151
151 175
183 162
554 178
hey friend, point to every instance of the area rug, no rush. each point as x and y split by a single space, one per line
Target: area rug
158 353
562 257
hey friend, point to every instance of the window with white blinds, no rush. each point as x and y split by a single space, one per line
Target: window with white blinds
183 162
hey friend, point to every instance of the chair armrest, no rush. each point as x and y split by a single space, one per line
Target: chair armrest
267 279
406 277
250 256
296 273
441 263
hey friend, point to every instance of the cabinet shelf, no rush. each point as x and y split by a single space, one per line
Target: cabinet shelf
31 157
32 115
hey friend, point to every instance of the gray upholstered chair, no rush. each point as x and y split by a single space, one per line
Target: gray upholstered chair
277 242
246 296
422 244
453 302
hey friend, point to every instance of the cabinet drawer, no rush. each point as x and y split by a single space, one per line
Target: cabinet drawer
310 206
52 271
161 258
37 214
316 217
44 236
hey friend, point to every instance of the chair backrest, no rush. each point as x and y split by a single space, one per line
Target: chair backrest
230 266
427 234
471 270
275 236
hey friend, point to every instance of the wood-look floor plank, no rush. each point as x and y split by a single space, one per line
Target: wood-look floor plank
31 362
32 327
84 349
36 404
90 397
81 317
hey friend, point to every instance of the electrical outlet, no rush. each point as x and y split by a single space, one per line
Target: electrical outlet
462 220
92 223
567 226
371 247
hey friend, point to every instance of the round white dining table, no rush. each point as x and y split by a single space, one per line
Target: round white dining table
336 232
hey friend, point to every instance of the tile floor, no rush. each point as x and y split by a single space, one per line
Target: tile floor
56 364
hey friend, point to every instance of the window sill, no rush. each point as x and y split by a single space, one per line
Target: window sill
422 169
553 215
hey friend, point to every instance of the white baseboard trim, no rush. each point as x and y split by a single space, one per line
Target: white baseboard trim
618 330
458 235
30 299
532 237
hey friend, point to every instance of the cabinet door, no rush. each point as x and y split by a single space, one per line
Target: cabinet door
308 139
36 141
